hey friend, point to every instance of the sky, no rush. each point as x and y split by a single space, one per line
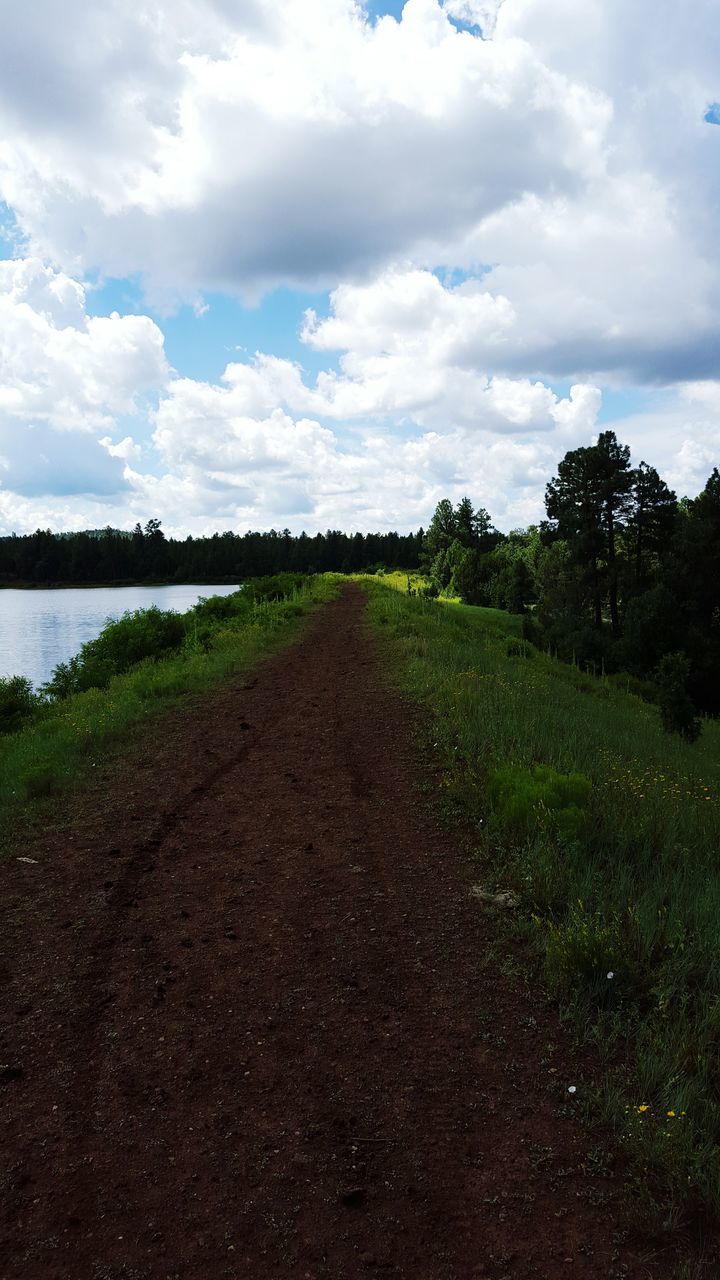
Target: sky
318 264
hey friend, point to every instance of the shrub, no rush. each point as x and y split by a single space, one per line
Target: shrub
219 608
147 633
524 799
17 703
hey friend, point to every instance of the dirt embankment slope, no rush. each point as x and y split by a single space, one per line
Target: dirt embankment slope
251 1028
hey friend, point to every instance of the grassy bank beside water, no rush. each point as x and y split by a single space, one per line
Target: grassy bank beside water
607 830
137 668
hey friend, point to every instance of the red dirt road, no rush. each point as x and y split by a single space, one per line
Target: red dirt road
252 1025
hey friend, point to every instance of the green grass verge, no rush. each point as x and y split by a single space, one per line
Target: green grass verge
59 750
608 829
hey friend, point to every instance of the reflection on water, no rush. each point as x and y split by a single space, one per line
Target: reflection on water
38 629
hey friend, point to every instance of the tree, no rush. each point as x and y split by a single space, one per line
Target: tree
589 500
474 528
651 521
441 531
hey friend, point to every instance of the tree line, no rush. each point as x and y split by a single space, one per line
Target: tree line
113 556
621 576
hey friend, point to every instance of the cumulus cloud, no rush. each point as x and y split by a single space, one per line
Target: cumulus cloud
205 146
417 349
64 376
62 367
220 145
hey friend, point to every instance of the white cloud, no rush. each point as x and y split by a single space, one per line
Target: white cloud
208 147
478 13
65 376
416 349
126 448
213 145
62 367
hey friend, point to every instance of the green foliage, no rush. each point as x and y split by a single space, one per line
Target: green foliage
522 799
677 712
146 633
17 703
454 537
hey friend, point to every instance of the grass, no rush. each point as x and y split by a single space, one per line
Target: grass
69 736
622 900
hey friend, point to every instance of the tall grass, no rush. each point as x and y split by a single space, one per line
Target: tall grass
94 704
625 905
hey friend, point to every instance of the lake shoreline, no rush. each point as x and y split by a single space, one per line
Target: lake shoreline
119 582
42 627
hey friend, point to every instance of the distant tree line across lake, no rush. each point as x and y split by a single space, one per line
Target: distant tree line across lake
114 556
620 576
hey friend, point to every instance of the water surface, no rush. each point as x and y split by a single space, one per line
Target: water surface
38 629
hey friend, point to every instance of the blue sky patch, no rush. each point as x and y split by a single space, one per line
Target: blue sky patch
712 115
381 8
201 345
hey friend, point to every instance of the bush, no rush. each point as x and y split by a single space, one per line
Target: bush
17 703
524 799
147 633
677 712
219 608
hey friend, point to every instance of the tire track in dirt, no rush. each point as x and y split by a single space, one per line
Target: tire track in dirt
259 1024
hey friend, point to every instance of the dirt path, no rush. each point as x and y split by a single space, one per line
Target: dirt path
249 1026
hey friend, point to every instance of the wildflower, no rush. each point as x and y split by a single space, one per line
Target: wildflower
671 1114
643 1108
611 974
572 1088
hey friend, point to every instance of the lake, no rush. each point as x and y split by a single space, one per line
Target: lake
38 629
